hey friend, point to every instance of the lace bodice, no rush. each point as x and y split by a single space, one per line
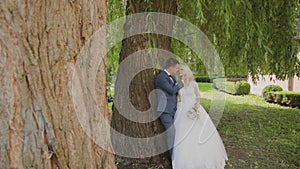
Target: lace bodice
190 92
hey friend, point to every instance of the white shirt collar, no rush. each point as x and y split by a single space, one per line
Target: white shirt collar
167 71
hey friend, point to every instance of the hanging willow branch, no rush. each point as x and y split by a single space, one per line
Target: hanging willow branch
255 37
250 36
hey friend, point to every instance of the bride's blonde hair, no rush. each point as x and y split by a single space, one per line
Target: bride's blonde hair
188 72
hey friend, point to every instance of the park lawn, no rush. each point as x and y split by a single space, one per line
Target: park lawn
257 134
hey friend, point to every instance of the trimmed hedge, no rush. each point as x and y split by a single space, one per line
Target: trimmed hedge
270 88
208 79
203 79
287 98
234 88
269 96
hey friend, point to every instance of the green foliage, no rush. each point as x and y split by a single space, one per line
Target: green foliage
254 36
275 94
219 83
267 92
119 161
242 88
290 98
269 96
234 88
229 87
203 79
200 78
257 134
287 98
110 107
272 88
115 10
110 98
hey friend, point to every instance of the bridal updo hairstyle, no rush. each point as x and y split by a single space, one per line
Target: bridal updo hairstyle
186 70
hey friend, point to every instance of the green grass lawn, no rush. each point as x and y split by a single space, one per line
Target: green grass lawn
257 134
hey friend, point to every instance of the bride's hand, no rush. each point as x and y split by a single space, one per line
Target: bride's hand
197 106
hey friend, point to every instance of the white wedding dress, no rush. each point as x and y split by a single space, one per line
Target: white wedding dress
197 143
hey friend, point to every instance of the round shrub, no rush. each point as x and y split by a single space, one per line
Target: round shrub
276 95
234 88
219 83
267 92
242 88
229 87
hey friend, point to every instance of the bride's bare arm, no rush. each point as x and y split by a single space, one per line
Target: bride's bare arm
197 93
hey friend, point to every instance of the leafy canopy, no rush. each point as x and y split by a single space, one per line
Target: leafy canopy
250 36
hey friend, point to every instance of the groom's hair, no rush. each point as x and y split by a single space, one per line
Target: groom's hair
171 62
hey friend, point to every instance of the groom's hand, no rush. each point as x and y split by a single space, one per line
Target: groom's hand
180 84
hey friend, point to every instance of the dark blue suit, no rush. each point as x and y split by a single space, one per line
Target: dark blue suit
167 104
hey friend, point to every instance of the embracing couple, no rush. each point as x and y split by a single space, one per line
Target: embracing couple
193 143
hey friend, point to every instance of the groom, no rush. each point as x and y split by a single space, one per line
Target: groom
167 91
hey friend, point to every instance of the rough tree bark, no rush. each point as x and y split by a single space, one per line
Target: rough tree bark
39 44
142 84
169 7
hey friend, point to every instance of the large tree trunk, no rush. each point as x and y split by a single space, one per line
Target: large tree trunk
39 44
140 86
169 7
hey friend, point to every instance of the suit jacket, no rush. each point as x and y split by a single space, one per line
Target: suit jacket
166 92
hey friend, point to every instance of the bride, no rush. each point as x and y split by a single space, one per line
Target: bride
197 143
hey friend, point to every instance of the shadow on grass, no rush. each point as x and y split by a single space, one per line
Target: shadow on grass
259 136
